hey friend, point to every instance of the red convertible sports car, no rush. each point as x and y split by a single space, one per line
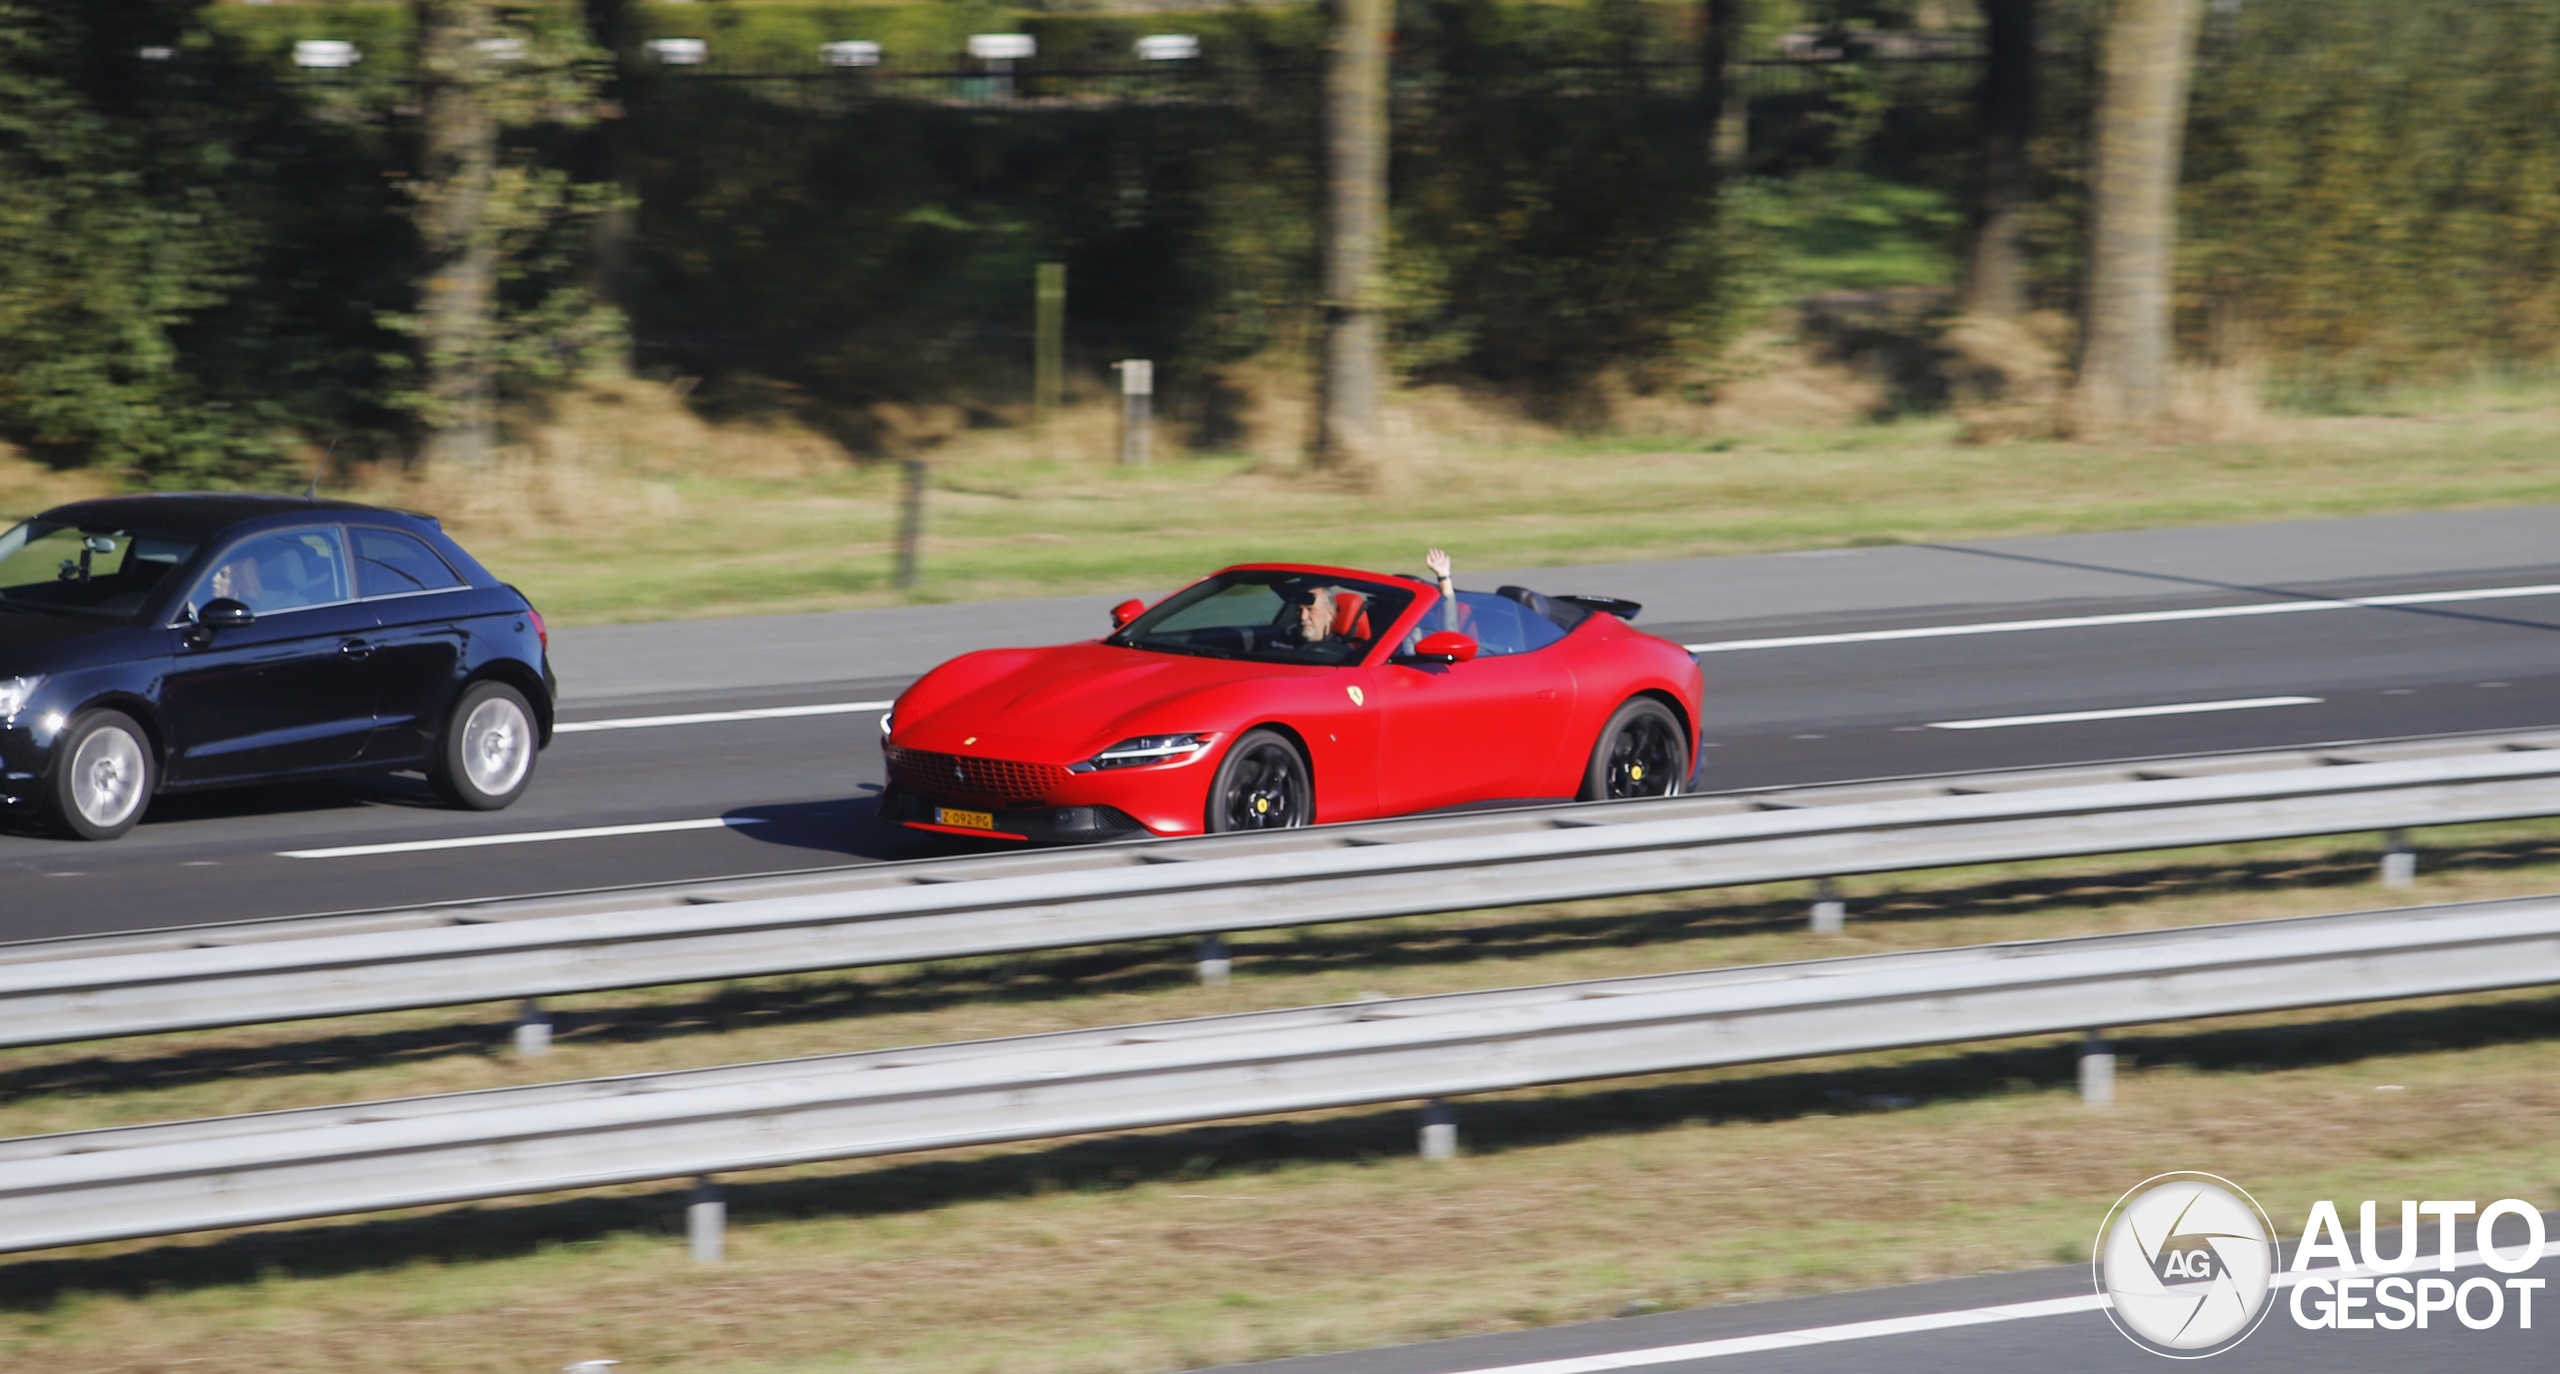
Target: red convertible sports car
1275 694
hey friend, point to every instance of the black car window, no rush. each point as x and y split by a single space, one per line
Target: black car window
110 573
283 571
389 563
1270 616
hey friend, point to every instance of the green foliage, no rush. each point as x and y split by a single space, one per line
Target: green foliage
148 320
2373 189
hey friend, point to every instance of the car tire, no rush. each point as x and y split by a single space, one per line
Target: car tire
1262 784
101 778
484 759
1642 752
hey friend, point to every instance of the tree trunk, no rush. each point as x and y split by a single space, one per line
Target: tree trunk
457 159
1728 106
1995 273
2133 194
609 27
1354 366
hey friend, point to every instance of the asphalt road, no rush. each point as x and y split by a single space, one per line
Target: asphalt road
795 792
1832 1334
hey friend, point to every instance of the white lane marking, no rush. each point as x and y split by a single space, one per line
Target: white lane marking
592 832
1792 1340
1892 1326
2082 622
2183 708
832 708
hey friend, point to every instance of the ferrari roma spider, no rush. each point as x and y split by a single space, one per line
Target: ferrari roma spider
1273 695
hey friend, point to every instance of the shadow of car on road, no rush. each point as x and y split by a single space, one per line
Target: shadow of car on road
850 826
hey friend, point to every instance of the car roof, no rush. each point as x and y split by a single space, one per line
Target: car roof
203 513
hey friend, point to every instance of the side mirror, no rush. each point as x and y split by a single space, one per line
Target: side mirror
1446 646
223 613
1127 611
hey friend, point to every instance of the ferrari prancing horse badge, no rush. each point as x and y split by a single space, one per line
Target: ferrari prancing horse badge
1356 698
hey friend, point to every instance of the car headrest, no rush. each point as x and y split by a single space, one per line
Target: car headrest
1350 614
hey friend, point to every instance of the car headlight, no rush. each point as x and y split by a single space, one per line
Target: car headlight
884 721
14 695
1129 753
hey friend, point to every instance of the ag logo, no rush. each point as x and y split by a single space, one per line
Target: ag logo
2184 1261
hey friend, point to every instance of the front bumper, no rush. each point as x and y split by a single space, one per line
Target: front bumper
22 764
1035 825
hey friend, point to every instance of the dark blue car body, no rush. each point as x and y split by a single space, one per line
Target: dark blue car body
365 683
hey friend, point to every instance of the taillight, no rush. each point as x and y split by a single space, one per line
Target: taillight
540 630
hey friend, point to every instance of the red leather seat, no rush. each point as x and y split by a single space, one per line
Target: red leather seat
1351 616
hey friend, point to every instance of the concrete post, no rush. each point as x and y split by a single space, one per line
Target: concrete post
706 1222
1439 1131
2097 1071
1830 911
2399 861
1215 967
1137 410
533 1029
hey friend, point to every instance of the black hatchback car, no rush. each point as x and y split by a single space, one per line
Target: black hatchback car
156 644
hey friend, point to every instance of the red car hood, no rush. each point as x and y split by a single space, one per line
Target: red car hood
1061 704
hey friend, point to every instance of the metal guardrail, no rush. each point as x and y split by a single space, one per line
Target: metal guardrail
83 989
330 1161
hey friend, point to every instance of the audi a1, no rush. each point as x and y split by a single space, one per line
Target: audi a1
172 643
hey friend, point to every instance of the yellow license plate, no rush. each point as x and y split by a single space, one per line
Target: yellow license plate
974 820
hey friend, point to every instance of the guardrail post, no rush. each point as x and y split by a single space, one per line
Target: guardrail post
1830 911
1215 966
1439 1131
2097 1071
706 1222
533 1029
2399 861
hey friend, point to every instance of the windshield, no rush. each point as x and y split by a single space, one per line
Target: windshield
66 570
1270 616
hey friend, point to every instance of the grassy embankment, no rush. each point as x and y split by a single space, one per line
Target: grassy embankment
1177 1247
641 512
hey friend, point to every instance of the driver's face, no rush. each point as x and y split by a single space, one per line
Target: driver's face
1315 619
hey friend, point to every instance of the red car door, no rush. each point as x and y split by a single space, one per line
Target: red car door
1485 730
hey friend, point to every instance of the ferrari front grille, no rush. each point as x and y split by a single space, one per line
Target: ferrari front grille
962 775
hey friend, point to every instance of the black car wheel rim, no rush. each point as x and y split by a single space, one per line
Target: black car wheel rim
1644 760
1266 790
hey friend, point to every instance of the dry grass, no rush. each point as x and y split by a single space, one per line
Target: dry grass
628 505
632 508
1167 1248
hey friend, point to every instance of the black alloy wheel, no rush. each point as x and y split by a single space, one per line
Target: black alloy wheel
1262 784
1642 753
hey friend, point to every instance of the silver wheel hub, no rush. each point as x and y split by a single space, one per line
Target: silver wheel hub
497 746
106 777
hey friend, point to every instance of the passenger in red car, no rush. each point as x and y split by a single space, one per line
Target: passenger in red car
1454 614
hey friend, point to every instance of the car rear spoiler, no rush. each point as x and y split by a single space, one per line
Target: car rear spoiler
1618 606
